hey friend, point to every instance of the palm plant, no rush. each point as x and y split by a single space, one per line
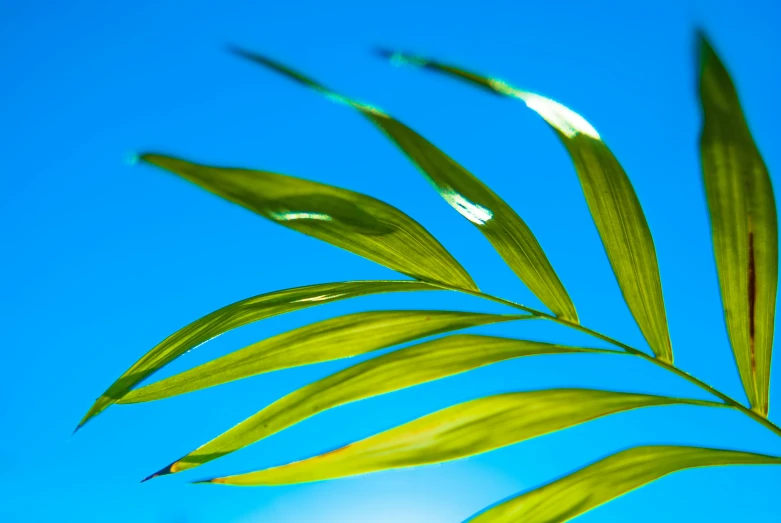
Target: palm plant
745 238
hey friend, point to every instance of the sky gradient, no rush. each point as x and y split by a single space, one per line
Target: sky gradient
103 259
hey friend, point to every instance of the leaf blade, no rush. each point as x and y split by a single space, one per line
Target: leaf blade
744 226
608 479
462 430
612 201
236 315
331 339
500 224
347 219
397 370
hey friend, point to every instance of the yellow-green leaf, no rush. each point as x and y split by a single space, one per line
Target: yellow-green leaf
236 315
462 430
744 225
350 220
506 231
608 479
611 199
403 368
327 340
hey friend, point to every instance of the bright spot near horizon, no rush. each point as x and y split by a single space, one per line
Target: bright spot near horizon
433 494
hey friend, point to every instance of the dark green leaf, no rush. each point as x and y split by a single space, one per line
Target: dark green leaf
506 231
462 430
403 368
608 479
611 199
744 225
236 315
327 340
347 219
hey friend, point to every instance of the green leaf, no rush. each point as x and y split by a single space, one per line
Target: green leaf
608 479
236 315
744 226
350 220
462 430
506 231
397 370
327 340
611 199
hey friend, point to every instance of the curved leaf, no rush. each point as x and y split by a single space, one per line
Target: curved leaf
744 225
608 479
611 199
506 231
236 315
350 220
462 430
327 340
397 370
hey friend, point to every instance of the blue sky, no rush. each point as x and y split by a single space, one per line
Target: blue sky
103 259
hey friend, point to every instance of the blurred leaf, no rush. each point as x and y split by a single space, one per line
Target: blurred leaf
611 199
607 479
350 220
327 340
462 430
506 231
397 370
744 225
236 315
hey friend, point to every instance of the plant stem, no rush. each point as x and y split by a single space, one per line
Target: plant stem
726 399
729 401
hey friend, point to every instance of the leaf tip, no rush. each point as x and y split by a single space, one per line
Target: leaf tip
87 417
399 58
383 52
132 159
207 481
168 469
237 51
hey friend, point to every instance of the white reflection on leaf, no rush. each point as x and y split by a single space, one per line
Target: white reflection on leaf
287 216
476 214
559 116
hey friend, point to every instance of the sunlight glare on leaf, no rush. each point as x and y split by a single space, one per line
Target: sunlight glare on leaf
476 214
559 116
285 216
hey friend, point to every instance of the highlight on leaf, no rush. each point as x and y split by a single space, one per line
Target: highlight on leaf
347 219
614 206
744 226
327 340
500 224
456 432
608 479
428 361
237 315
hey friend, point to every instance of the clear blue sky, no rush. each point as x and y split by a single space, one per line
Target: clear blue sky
101 260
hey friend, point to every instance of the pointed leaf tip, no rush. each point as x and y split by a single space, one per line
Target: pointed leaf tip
207 481
162 472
